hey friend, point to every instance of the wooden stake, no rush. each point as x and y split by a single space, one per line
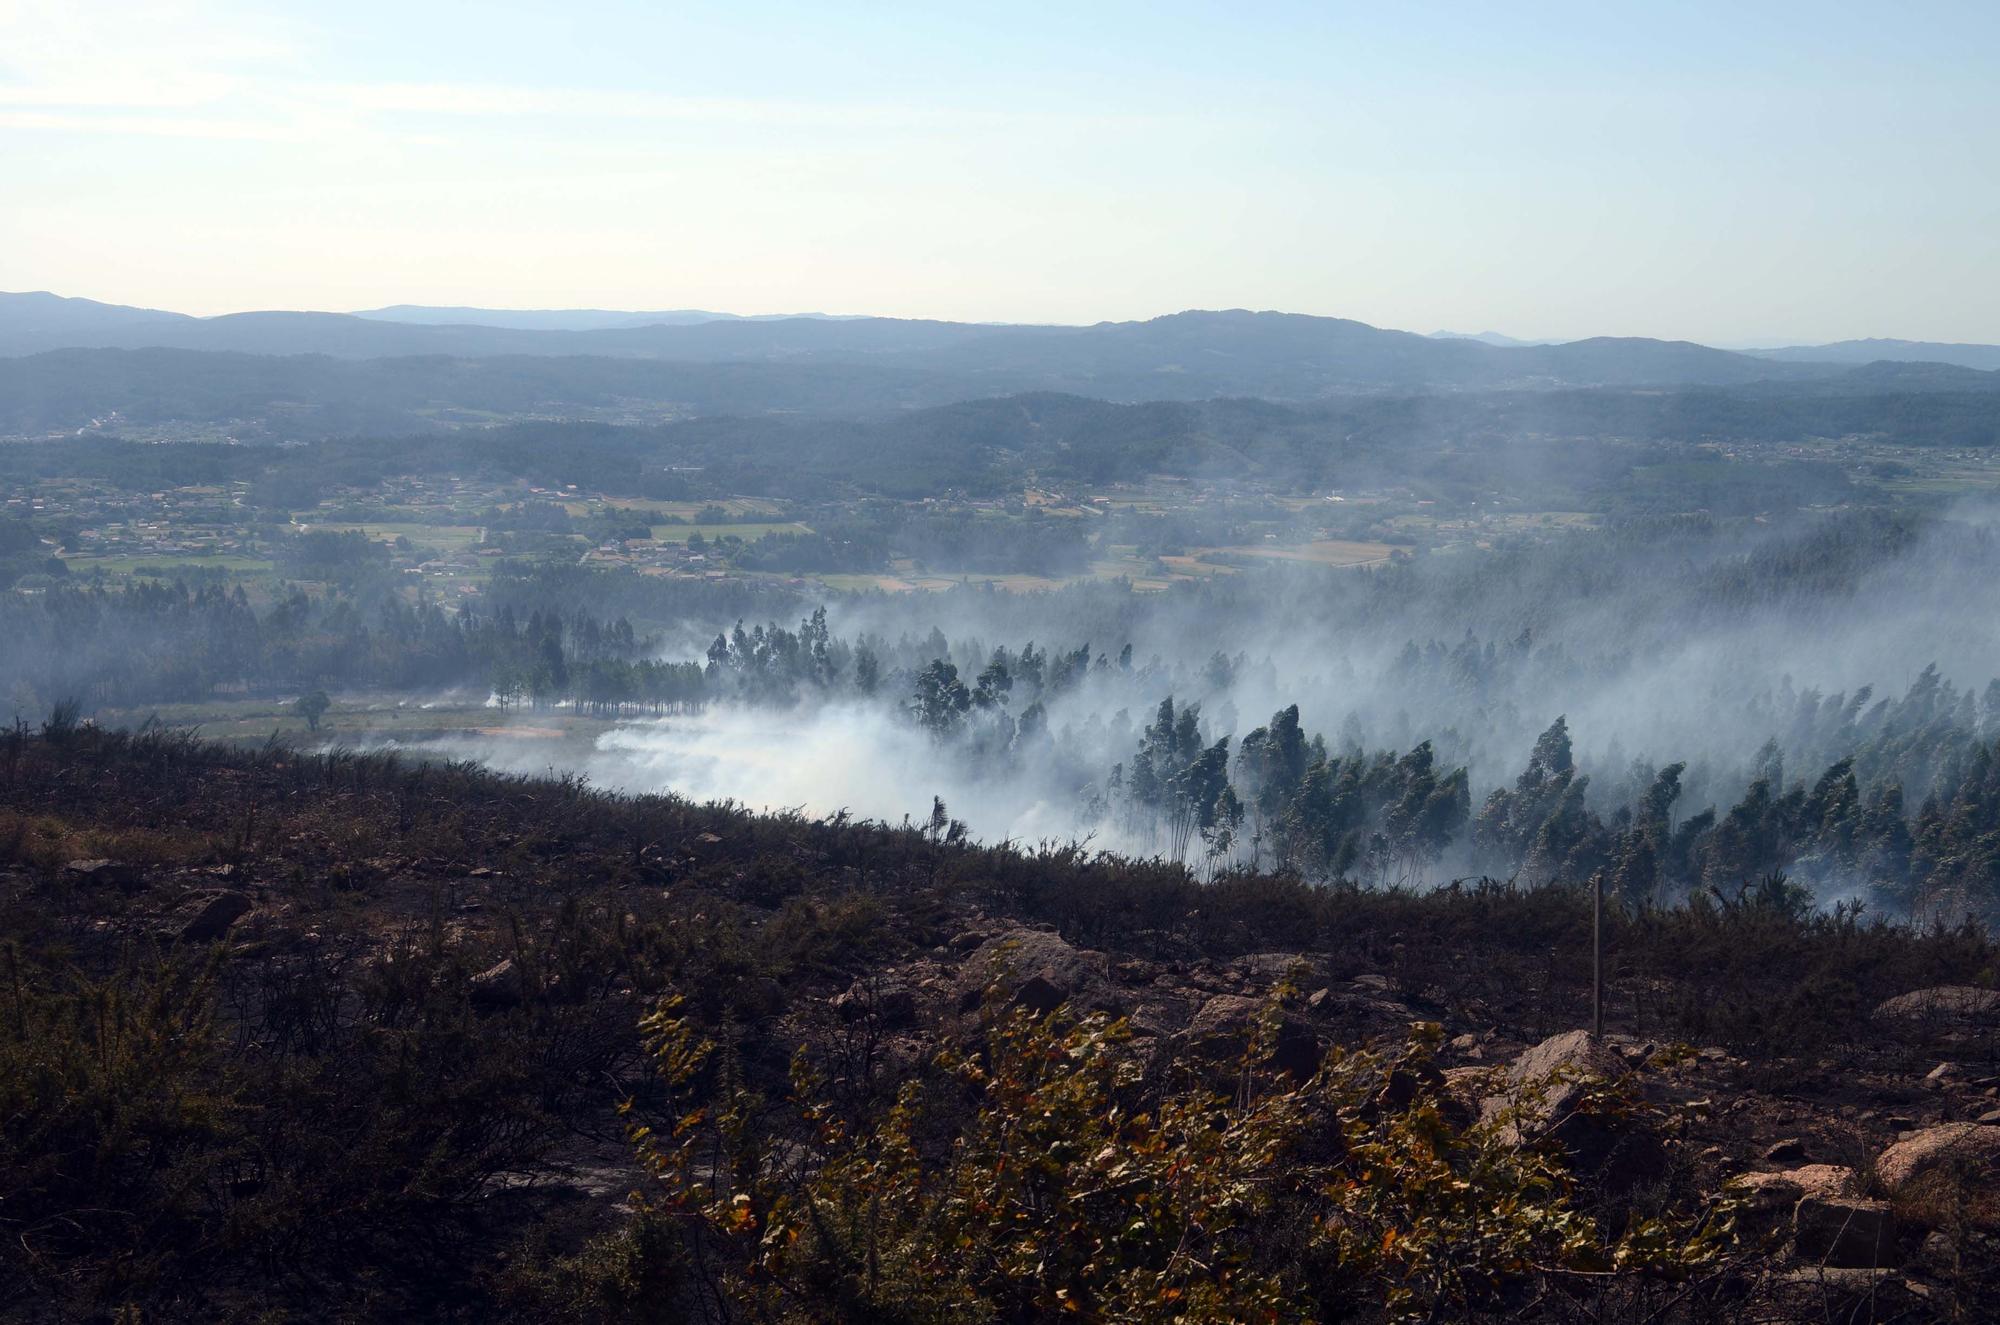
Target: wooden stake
1597 954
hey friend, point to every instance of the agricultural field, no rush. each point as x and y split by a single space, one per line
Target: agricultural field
165 565
440 535
364 719
740 508
1124 562
443 537
1319 552
681 533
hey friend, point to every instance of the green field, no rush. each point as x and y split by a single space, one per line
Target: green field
164 565
749 533
860 583
740 507
444 537
361 718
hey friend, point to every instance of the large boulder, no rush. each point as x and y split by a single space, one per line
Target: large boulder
1474 1085
1819 1208
1770 1200
1551 1096
1942 1003
1845 1232
1948 1173
1575 1054
1037 970
498 986
893 1006
211 915
1222 1027
1547 1081
1265 970
114 873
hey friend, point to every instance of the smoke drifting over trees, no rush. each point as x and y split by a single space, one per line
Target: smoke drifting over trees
1678 705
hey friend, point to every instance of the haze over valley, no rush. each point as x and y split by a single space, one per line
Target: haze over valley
1162 665
1406 548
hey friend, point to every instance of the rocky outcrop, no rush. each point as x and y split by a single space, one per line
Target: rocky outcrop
1221 1029
1474 1085
211 915
498 986
1265 970
1942 1003
893 1006
1548 1080
113 873
1948 1173
1037 970
1575 1054
1548 1099
1819 1210
1845 1232
1770 1200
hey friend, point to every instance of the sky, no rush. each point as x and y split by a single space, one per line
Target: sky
1744 173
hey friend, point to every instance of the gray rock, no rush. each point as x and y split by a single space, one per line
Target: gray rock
1544 1099
1959 1151
1265 969
1039 971
113 873
1221 1030
1771 1199
1939 1252
1845 1232
498 986
1942 1003
214 917
894 1006
1768 1201
1574 1056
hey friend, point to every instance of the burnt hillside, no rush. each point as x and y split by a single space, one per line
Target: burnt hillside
295 1035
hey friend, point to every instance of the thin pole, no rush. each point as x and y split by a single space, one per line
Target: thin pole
1597 954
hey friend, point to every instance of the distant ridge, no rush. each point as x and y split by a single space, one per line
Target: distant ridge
1985 358
1489 338
565 319
39 313
781 405
1191 355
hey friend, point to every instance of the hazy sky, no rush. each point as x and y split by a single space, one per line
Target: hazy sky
1741 172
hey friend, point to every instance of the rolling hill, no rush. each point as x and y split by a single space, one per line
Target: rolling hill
1190 355
1985 358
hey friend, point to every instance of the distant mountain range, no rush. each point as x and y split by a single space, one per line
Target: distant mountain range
566 319
1985 358
1488 338
1185 356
